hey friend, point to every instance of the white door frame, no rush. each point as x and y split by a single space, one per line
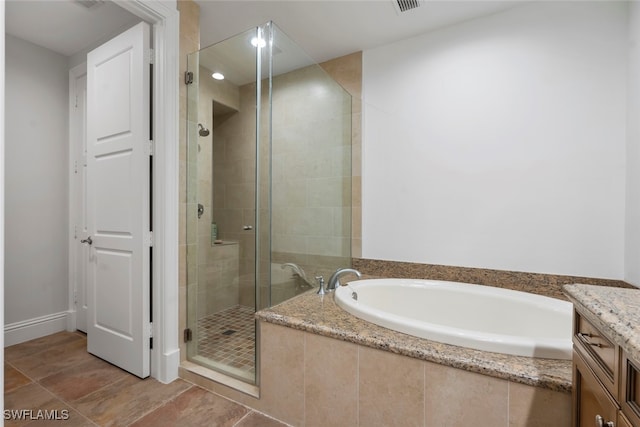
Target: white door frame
76 170
165 356
164 16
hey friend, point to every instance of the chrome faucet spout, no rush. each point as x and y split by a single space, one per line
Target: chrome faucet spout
299 271
334 280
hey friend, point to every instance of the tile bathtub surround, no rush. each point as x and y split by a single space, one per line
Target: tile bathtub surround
304 374
542 284
314 381
614 311
320 315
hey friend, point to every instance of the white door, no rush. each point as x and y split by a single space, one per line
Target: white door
118 201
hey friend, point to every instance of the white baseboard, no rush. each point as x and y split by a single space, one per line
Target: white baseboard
15 333
71 320
167 370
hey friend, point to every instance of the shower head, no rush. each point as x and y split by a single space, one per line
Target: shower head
203 130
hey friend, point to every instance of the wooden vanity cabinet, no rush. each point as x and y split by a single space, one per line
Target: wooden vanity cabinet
630 390
590 398
606 385
623 421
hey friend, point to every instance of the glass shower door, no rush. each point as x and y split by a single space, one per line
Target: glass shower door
222 182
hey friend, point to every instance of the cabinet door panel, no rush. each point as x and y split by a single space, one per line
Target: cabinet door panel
591 398
630 390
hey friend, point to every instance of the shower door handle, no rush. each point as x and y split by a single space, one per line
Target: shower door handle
87 240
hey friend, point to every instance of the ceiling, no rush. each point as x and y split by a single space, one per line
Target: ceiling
324 29
332 28
66 26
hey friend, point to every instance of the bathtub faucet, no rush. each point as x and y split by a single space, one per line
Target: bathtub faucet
297 270
334 280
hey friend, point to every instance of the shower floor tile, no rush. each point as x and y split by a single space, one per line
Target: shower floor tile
229 337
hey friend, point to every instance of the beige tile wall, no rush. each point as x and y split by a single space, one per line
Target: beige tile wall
347 71
234 158
309 380
218 285
218 278
311 164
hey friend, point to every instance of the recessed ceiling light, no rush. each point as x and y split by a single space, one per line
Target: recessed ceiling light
258 42
218 76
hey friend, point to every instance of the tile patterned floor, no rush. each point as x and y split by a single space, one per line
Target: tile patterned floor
56 376
229 337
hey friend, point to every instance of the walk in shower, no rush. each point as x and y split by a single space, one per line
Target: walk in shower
268 189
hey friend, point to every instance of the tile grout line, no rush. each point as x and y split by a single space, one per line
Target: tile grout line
358 348
33 380
164 403
68 404
82 397
72 404
424 391
242 418
43 351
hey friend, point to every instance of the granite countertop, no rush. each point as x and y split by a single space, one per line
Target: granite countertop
320 315
615 311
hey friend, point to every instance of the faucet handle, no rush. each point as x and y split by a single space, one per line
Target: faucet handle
320 280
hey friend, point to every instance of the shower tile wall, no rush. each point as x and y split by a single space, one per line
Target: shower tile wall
219 269
311 223
234 186
347 71
311 164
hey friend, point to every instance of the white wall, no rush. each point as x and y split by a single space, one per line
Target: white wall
632 229
500 142
36 204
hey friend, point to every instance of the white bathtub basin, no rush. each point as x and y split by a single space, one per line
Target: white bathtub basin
473 316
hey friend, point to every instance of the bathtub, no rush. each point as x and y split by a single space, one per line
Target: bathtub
473 316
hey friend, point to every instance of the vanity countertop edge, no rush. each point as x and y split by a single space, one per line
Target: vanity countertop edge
615 311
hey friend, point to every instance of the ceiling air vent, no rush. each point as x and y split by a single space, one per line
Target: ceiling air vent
90 3
406 5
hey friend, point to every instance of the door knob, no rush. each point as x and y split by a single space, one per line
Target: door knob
87 240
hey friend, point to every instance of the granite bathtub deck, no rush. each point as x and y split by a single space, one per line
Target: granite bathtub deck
615 311
320 315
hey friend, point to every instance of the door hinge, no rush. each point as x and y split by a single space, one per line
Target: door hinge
150 56
75 232
148 238
188 335
150 330
188 77
75 296
75 166
150 148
